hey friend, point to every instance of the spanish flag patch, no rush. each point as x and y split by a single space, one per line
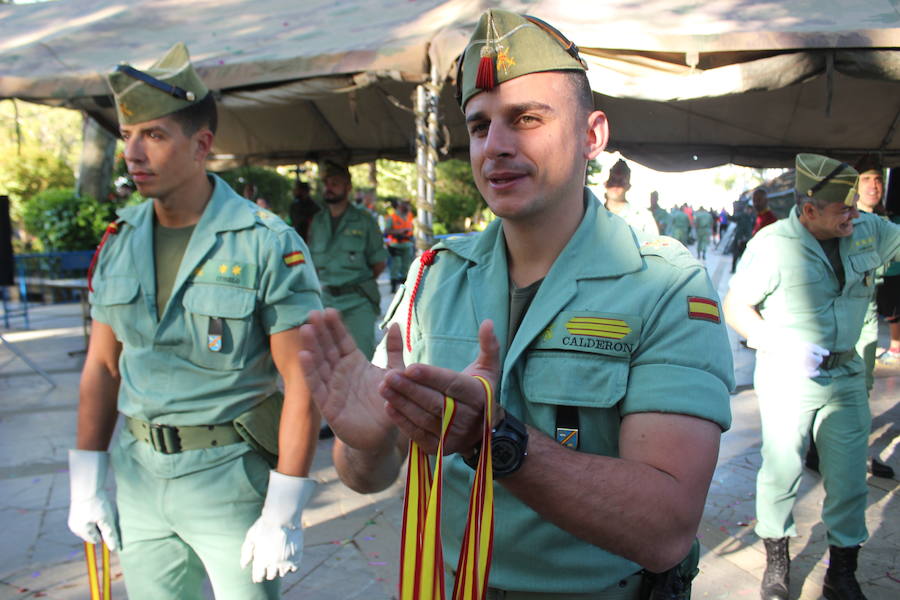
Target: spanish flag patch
292 259
703 308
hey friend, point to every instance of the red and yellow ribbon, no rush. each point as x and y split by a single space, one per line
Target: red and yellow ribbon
94 576
421 553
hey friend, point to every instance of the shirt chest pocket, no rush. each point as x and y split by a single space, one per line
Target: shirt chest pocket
805 286
863 266
218 322
352 246
592 383
116 302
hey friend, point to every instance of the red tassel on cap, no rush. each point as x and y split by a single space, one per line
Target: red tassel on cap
485 79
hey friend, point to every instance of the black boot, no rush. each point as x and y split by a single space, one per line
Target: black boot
778 570
879 469
840 578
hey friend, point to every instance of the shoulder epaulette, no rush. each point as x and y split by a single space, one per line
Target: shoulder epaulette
669 249
270 220
111 229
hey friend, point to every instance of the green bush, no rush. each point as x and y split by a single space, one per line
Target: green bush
455 196
275 188
62 221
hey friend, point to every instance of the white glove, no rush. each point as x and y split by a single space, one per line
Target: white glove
275 542
794 356
90 509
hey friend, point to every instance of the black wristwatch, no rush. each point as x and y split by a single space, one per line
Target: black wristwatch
509 447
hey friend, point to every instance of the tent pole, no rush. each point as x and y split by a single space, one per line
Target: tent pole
421 108
431 157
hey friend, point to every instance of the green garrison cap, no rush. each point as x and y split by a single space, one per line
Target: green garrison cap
826 179
507 45
170 84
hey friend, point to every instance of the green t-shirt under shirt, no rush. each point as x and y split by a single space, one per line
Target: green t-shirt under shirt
169 245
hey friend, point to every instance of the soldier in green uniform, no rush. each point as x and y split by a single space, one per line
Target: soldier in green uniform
660 215
197 296
594 336
349 254
703 223
799 297
679 225
871 190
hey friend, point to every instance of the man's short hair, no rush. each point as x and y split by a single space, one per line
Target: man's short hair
868 162
581 88
196 116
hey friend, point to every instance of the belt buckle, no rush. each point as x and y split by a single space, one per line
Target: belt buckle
165 438
828 362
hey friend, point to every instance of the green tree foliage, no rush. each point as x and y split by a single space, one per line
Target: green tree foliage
62 221
272 186
39 149
456 198
23 176
396 179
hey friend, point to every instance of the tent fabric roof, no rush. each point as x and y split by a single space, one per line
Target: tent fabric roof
685 84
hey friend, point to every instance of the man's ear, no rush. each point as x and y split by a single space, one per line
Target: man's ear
597 134
204 141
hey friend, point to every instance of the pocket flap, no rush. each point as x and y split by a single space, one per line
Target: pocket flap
865 261
115 290
575 378
219 301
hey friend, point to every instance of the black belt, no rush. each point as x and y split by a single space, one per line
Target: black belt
837 359
347 288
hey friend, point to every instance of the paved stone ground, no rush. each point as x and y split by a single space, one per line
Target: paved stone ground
352 540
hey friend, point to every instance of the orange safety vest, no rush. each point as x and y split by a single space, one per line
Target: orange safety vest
398 222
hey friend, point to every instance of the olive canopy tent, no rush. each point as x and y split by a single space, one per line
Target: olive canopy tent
686 84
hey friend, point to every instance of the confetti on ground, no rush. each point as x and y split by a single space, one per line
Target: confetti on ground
369 537
377 563
891 577
742 524
36 574
723 528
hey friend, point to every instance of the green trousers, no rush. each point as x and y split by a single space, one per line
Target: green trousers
401 259
837 411
360 321
868 341
177 531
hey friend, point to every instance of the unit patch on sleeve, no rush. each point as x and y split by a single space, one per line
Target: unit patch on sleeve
292 259
703 309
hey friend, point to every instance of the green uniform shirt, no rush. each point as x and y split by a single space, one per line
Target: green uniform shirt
243 267
662 218
679 225
786 273
703 224
346 255
612 337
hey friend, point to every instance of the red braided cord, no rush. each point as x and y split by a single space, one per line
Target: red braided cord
426 260
112 228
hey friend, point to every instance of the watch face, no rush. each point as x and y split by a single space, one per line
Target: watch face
505 453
